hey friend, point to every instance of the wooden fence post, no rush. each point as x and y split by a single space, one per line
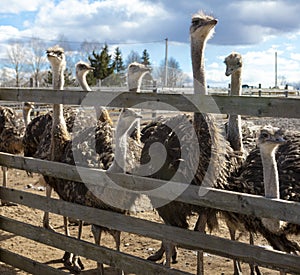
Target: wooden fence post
286 92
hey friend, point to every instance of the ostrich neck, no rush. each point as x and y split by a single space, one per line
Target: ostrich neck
118 165
236 81
234 132
135 82
271 178
197 52
26 117
59 129
83 83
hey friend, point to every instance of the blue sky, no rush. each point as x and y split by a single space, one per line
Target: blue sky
256 29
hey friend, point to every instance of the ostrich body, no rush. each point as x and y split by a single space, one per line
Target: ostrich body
12 132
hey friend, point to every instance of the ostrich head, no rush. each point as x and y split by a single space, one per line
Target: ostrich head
27 108
135 73
57 59
269 138
82 69
233 62
202 27
56 56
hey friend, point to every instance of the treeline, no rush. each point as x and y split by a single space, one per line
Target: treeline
27 65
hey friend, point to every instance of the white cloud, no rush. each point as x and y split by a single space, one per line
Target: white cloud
109 20
17 6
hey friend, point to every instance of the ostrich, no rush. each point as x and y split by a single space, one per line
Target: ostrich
255 171
12 133
214 157
233 128
121 163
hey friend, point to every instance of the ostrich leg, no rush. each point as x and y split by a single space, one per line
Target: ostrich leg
46 222
5 171
236 264
97 231
69 259
200 226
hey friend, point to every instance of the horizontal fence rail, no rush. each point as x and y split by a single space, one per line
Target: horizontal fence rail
86 249
27 264
271 106
184 238
252 106
209 197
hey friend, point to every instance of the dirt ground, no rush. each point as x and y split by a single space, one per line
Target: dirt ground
130 243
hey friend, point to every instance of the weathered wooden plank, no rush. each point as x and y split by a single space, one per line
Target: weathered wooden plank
246 105
107 256
27 264
184 238
209 197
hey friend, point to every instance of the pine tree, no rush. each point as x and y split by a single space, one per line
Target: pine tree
118 61
102 63
145 58
69 80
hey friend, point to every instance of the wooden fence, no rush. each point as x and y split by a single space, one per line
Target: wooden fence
231 201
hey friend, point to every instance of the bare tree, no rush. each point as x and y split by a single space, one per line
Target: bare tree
64 43
86 48
133 56
17 57
175 76
37 59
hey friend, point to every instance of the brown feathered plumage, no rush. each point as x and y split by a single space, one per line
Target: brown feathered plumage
249 179
11 131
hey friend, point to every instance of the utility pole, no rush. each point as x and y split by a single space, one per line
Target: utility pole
276 70
166 63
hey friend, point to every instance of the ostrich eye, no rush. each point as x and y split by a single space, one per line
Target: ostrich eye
264 135
196 21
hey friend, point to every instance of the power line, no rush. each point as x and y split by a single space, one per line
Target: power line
85 41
